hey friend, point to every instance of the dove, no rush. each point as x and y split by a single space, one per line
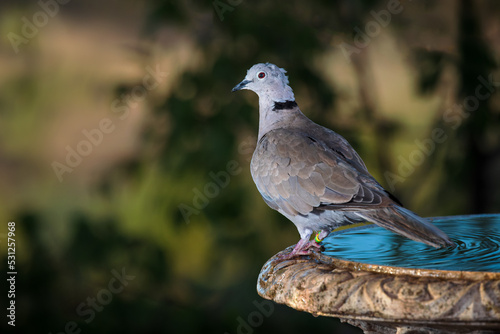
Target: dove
313 176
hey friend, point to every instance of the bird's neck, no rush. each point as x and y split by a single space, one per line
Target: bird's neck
277 114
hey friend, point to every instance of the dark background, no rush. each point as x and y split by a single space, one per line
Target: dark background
387 90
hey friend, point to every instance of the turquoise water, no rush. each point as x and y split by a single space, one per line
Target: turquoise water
477 239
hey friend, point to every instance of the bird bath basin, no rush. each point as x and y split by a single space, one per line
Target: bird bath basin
385 283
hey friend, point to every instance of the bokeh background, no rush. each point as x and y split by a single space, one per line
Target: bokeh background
155 77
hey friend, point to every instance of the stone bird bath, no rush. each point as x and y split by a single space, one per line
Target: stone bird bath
384 283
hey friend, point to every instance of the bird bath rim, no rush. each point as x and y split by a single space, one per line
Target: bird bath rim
384 299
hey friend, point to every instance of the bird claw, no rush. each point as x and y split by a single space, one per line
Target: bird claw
307 248
313 244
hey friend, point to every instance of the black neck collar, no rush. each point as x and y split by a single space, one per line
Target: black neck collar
284 105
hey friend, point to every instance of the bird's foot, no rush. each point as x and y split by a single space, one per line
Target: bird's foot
303 247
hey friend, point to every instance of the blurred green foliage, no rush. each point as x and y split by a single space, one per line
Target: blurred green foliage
119 208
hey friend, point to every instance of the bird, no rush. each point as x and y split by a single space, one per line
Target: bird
312 175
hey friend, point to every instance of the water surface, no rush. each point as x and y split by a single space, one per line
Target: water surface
477 239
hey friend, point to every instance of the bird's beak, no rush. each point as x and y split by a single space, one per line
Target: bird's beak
240 86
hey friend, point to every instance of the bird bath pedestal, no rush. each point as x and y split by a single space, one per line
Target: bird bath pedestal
395 299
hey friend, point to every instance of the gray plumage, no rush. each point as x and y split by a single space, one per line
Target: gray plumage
313 176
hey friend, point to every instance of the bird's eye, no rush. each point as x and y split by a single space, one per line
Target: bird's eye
261 75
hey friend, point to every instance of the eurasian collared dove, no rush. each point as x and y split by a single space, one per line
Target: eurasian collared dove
313 176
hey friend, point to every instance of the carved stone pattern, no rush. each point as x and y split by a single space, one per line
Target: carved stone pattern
315 284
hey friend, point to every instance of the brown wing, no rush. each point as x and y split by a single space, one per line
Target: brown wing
297 172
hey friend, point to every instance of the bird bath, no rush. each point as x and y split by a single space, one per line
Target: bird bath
386 283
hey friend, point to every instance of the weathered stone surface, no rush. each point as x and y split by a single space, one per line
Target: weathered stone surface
383 299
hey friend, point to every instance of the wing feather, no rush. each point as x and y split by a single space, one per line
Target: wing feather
298 173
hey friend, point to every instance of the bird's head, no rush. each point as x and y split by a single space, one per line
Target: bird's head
268 81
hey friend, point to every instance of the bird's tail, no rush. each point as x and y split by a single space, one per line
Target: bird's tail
408 224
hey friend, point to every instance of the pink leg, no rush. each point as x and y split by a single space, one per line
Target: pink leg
305 247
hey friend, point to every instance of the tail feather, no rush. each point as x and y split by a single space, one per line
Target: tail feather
408 224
